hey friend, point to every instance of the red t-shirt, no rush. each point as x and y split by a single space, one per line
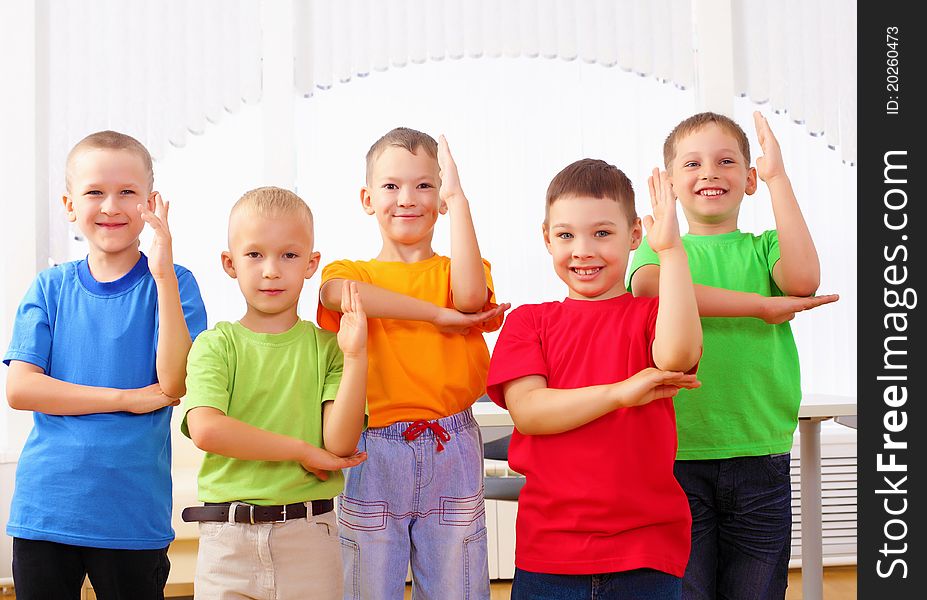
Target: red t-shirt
600 498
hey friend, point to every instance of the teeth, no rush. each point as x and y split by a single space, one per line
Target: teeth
592 271
711 192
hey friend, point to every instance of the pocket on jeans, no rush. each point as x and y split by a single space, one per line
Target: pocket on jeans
350 556
462 511
362 515
476 565
779 466
212 529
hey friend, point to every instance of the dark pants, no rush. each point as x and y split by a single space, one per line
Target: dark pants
51 571
639 584
741 527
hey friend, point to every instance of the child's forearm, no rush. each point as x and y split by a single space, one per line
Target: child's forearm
678 335
343 419
29 388
468 279
213 431
539 410
380 303
173 339
798 271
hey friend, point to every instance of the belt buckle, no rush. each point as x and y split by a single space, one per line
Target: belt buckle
283 520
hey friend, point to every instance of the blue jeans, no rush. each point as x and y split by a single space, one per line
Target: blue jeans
741 527
410 501
639 584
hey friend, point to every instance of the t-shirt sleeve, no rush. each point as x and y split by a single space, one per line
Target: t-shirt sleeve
194 311
340 269
32 339
492 324
517 353
334 369
769 244
643 256
209 381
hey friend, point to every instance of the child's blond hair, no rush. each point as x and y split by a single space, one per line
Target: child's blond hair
405 138
694 123
109 140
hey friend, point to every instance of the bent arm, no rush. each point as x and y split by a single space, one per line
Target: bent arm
29 388
380 303
468 279
798 271
539 410
173 339
677 340
214 431
343 419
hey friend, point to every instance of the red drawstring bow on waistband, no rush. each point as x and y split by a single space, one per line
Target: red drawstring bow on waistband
418 428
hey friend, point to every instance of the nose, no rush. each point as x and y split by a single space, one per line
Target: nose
110 205
270 269
708 172
581 248
405 198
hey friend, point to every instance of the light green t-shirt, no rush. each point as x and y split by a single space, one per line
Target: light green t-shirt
751 387
277 382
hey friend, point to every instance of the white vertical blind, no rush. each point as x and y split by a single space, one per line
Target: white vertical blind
193 61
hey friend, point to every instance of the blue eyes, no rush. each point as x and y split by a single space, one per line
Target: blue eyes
569 236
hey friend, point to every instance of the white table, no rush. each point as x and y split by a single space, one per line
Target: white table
496 422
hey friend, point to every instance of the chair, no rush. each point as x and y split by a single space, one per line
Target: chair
497 448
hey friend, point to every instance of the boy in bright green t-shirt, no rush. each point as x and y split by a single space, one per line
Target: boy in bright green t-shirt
735 432
278 405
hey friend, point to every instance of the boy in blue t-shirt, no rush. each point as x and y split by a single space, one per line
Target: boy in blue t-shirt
98 353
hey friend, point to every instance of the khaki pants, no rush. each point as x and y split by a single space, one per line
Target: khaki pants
298 559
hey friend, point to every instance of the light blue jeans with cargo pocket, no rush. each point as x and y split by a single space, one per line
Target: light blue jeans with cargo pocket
418 498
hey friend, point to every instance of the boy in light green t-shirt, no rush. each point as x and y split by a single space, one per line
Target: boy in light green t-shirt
735 432
278 405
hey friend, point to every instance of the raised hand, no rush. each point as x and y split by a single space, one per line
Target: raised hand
769 165
148 399
663 226
320 461
779 309
449 320
352 333
160 257
651 383
450 190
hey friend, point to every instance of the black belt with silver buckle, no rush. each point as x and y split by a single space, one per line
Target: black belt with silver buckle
252 513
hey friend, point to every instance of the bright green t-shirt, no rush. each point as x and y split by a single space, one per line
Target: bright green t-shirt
277 382
751 387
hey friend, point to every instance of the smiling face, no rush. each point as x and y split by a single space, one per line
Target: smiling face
590 240
710 177
271 257
105 188
402 192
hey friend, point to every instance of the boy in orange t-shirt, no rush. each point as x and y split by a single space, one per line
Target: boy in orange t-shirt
419 496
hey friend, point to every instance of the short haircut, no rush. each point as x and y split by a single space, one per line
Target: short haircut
694 123
109 140
273 202
595 179
401 137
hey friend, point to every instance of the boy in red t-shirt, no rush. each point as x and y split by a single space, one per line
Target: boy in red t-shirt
589 383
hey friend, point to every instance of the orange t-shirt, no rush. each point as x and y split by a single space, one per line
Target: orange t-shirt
415 371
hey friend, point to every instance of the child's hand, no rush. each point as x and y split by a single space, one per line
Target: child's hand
450 191
651 383
160 257
779 309
320 461
148 399
352 334
769 165
449 320
663 226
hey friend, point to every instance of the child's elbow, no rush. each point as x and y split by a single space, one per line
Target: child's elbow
330 294
203 431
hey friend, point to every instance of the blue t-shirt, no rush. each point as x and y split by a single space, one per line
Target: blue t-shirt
100 480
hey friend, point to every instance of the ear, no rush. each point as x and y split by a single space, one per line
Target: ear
442 208
151 200
637 233
546 233
69 208
227 264
751 182
313 265
365 200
